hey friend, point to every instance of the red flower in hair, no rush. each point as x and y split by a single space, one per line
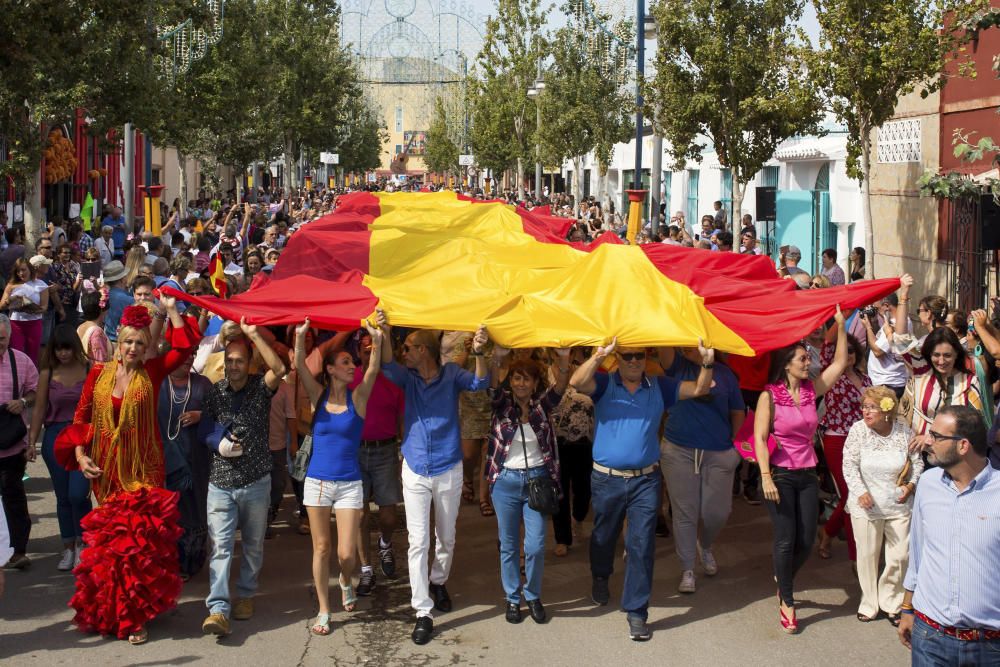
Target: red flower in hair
137 317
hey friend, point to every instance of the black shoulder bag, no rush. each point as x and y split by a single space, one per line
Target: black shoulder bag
543 492
12 428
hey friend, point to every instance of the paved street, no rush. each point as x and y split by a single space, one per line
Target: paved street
731 620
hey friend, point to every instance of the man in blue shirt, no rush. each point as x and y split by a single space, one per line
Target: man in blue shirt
118 297
625 483
116 220
698 460
432 459
951 607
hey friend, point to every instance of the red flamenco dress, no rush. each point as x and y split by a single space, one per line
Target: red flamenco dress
129 571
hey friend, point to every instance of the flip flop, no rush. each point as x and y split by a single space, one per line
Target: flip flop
486 509
139 637
322 625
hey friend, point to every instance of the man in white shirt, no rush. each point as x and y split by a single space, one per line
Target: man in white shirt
105 245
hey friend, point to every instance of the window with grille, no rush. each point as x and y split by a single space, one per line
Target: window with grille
899 141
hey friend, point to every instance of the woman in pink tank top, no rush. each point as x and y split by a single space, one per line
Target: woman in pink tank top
787 408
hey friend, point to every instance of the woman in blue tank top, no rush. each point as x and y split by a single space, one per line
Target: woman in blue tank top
333 478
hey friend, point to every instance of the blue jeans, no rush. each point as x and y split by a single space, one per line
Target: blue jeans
510 502
932 648
72 488
615 499
229 509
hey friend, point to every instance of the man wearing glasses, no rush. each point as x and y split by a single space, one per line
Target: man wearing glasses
951 607
625 482
432 458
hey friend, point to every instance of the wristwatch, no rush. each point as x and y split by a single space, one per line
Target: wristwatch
24 402
708 365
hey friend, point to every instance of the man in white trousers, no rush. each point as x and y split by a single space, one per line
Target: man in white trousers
432 459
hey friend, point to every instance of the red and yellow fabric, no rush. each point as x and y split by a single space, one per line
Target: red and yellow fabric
443 261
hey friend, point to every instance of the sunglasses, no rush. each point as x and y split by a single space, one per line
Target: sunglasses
632 356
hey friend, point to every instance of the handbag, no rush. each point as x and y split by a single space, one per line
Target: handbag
12 428
744 440
543 492
302 457
904 474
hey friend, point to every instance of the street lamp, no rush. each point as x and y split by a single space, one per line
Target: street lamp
534 92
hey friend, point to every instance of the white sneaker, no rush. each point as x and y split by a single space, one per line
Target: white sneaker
76 557
66 562
708 561
687 582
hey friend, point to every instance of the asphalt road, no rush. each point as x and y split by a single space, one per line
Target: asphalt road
731 620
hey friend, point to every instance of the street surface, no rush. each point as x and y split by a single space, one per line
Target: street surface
731 620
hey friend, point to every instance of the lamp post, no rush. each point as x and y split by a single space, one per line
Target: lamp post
535 92
637 195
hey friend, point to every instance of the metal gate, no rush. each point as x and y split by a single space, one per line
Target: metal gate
967 260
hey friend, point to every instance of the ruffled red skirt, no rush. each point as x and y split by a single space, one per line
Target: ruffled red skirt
128 572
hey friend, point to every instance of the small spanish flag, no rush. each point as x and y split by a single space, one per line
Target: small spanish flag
217 276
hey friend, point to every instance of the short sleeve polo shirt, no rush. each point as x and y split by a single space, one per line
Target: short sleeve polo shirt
627 423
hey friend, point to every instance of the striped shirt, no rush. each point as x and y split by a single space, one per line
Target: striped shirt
955 550
27 382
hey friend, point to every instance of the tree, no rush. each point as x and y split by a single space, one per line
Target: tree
873 52
56 58
733 72
442 151
502 113
361 144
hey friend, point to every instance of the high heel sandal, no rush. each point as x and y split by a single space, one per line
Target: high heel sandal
788 622
347 596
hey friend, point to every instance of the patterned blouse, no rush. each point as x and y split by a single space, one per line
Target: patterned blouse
504 428
871 464
842 402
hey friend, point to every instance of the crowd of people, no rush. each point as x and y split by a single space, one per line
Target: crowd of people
154 413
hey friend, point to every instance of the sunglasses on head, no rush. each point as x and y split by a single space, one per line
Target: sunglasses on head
632 356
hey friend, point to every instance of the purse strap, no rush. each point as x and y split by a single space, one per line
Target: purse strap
13 373
520 426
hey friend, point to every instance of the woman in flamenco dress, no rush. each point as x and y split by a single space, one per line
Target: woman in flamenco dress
128 572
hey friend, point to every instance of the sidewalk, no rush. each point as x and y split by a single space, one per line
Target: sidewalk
731 620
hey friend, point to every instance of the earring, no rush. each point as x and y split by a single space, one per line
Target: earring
887 417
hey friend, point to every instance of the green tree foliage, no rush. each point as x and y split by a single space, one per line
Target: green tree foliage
732 71
584 107
442 152
871 53
502 114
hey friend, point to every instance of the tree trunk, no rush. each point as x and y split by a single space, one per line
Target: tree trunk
602 186
34 225
291 178
183 189
866 202
520 179
578 179
739 192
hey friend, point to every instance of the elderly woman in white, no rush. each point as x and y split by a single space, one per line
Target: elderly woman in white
881 476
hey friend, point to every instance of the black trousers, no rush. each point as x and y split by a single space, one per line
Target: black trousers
15 502
576 462
279 478
794 518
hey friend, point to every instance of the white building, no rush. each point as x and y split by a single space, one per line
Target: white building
817 204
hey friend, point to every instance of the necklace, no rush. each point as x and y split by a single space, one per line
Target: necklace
182 401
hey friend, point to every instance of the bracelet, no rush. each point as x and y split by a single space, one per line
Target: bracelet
709 366
906 606
478 354
905 300
564 371
768 473
160 316
904 610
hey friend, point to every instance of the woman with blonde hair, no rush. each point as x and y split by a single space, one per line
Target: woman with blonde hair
881 476
128 572
134 261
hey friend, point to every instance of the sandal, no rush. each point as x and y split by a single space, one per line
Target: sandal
486 509
322 625
824 546
138 637
894 619
468 492
866 619
347 596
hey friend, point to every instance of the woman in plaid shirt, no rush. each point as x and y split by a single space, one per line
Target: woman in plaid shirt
522 446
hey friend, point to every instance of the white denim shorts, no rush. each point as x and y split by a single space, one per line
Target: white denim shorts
339 495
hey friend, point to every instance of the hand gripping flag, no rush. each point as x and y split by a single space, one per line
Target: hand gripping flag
442 261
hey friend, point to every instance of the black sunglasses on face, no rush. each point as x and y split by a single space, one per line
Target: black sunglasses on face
632 356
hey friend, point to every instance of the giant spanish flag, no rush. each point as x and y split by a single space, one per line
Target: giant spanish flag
441 261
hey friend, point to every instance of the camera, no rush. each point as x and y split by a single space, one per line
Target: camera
871 312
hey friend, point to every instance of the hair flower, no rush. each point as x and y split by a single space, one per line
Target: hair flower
886 404
137 317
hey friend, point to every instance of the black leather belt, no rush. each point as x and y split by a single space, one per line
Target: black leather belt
378 443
